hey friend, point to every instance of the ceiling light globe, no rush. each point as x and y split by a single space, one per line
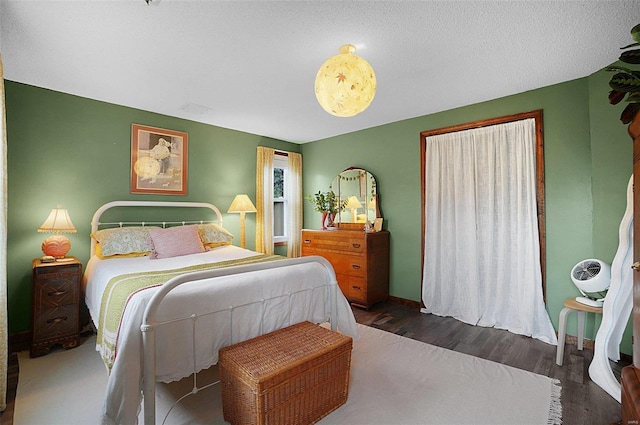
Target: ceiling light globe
345 84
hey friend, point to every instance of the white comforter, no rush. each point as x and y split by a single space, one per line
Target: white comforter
174 352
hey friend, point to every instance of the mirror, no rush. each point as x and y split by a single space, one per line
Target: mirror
356 191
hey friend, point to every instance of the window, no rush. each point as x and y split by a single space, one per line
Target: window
278 200
280 169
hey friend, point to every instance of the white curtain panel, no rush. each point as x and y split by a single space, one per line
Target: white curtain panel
482 254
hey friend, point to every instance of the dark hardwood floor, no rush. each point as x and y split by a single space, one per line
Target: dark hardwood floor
583 402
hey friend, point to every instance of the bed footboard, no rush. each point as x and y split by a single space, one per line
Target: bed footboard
150 322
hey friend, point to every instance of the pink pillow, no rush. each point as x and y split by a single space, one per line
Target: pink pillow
175 241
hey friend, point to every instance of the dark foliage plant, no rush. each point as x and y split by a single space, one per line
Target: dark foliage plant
625 83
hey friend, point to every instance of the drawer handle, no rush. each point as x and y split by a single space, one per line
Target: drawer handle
307 241
355 266
56 293
356 287
57 319
356 245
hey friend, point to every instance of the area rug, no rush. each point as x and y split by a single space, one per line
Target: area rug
394 380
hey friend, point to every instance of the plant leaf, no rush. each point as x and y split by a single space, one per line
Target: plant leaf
631 56
615 96
635 33
629 113
618 68
625 82
630 45
633 97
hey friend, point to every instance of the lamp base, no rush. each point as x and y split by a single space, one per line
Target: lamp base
56 246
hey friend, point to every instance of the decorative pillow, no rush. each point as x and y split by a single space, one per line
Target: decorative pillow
175 241
213 235
100 255
123 240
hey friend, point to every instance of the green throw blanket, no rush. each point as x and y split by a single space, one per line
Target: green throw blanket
121 288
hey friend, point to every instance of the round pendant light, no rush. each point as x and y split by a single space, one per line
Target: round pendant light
345 83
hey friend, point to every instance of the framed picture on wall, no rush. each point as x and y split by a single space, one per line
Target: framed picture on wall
158 160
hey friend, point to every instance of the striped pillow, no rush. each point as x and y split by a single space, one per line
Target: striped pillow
175 241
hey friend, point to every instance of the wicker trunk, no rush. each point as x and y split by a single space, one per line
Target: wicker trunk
295 375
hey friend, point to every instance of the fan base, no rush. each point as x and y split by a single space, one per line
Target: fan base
590 302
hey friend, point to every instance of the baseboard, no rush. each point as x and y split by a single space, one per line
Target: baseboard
569 339
589 344
405 302
20 341
586 343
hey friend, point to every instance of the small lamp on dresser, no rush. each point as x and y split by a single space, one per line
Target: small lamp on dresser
353 204
58 222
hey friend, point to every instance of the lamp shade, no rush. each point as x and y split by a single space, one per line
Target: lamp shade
353 202
241 203
345 84
57 222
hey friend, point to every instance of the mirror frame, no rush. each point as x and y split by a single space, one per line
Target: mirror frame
370 192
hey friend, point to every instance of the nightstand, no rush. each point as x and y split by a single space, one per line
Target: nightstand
55 307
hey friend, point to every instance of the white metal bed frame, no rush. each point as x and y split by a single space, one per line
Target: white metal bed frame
150 322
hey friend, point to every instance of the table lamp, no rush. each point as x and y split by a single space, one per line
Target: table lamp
58 221
242 204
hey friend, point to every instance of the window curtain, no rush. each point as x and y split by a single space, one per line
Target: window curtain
4 352
294 205
482 254
264 200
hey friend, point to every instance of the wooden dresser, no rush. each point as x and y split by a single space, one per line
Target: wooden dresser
360 260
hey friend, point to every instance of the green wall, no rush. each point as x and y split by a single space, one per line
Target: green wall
75 152
585 176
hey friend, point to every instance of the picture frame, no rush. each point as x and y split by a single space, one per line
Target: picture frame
377 224
158 160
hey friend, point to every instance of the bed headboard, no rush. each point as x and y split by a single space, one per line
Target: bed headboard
96 223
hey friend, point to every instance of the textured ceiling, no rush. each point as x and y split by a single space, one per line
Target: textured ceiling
250 65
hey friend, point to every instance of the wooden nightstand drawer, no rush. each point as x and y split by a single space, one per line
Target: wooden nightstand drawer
56 322
47 269
62 290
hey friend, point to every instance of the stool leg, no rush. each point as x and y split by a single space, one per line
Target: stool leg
581 315
562 332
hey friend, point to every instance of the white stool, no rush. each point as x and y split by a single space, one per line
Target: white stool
572 305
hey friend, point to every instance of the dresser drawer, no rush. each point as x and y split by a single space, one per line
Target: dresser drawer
331 242
353 265
353 287
56 322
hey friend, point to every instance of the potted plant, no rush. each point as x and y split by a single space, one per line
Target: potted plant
626 84
325 203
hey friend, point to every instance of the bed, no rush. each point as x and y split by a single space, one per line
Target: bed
162 312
